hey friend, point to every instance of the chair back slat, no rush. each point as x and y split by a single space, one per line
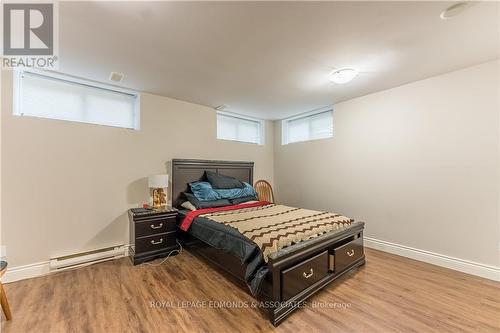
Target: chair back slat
264 191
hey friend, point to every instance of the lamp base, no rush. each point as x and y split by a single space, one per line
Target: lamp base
159 198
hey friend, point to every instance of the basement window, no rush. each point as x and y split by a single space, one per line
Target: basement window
306 127
239 128
56 96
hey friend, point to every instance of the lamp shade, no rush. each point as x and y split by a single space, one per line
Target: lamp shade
158 181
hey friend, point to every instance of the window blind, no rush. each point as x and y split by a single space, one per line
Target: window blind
238 129
61 98
308 127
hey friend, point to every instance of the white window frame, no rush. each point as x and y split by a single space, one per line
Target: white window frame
76 81
262 127
285 122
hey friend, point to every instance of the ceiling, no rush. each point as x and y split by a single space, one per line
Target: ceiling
271 59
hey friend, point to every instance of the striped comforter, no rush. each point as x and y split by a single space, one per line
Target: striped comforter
273 227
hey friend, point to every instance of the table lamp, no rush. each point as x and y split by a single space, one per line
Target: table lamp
156 185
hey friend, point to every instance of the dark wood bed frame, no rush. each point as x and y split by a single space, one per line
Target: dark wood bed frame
293 276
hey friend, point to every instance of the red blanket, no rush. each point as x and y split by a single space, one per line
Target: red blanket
186 223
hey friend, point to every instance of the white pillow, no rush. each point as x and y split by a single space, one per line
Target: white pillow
188 205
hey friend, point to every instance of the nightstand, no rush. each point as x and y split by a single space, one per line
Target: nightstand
152 233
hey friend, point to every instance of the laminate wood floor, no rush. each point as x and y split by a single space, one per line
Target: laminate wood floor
388 294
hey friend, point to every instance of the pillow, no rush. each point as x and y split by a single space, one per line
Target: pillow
188 205
206 204
237 201
234 193
203 191
221 181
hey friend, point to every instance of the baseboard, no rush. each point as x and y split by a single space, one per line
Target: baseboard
465 266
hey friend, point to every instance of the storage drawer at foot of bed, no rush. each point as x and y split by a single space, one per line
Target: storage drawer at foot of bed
347 254
305 274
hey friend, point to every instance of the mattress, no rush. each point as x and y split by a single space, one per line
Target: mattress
273 227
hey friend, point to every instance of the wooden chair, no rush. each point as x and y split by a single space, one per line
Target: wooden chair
3 296
264 191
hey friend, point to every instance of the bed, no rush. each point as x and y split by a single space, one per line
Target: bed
283 279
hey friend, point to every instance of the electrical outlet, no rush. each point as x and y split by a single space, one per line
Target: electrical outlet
3 251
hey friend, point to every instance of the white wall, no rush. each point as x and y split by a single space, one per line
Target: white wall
419 163
67 186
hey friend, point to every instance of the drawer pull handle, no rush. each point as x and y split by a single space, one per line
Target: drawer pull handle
156 243
350 253
306 275
156 226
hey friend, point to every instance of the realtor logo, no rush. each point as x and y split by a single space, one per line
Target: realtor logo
29 35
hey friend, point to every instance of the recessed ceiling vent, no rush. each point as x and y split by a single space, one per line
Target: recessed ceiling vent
221 107
116 77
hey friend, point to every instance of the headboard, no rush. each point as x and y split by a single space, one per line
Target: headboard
186 171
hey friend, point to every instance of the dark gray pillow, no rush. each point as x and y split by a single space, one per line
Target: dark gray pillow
237 201
220 181
206 204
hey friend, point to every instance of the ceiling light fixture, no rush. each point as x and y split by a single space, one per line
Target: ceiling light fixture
453 10
343 75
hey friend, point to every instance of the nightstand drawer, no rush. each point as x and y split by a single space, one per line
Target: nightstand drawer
155 242
155 226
